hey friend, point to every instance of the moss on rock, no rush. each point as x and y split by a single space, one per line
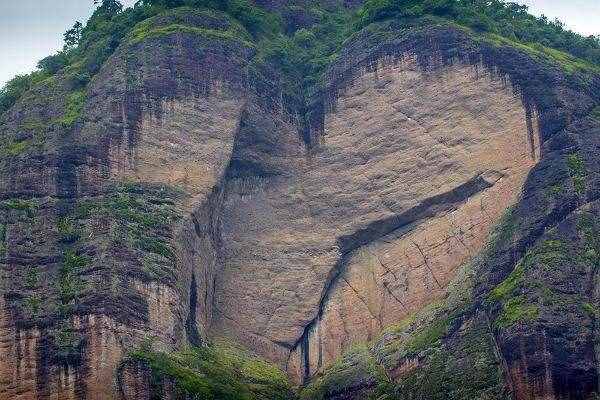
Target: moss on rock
222 371
214 25
357 375
464 368
73 109
578 172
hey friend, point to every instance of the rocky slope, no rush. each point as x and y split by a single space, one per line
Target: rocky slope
429 231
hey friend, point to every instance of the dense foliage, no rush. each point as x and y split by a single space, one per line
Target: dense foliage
304 54
87 48
301 54
510 20
221 371
254 18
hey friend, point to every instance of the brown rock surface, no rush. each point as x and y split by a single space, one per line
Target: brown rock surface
120 196
185 205
357 233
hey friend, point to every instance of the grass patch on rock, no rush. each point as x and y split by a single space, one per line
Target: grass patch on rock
73 109
222 371
220 26
356 369
578 172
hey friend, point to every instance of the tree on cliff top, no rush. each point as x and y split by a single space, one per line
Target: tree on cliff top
87 48
109 7
507 19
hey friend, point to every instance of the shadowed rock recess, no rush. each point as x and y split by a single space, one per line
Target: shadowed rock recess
422 226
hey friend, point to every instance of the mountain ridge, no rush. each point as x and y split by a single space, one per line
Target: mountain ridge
175 218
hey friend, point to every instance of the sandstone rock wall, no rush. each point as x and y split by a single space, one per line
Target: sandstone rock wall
503 331
327 248
126 198
183 205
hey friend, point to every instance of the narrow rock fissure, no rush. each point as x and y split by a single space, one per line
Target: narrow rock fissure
191 326
529 114
360 297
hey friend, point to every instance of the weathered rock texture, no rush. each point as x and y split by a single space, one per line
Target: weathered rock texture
497 334
183 205
413 169
124 215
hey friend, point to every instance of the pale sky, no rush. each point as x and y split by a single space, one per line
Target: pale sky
32 29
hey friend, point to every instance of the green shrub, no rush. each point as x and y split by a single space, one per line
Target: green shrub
307 53
555 190
578 172
32 277
427 337
567 62
33 305
70 284
52 64
26 207
16 148
68 343
16 87
66 229
157 246
35 128
357 367
468 369
591 309
254 18
509 286
150 28
516 306
504 19
220 372
516 310
73 109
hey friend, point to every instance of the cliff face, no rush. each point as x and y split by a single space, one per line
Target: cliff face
373 222
432 236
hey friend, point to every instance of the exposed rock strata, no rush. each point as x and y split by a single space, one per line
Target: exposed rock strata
413 167
124 198
185 206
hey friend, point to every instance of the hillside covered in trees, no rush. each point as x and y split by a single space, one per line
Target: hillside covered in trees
304 51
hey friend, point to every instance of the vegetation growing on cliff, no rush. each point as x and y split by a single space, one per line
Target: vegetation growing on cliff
255 19
145 31
470 370
73 109
17 86
358 366
507 19
303 53
577 172
444 351
222 371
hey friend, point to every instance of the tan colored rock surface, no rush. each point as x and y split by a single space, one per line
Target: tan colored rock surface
413 170
206 212
187 146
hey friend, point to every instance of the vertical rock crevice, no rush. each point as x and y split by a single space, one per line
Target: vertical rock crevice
193 336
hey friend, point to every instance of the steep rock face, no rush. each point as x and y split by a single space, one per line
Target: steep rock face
180 204
328 248
502 330
116 198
